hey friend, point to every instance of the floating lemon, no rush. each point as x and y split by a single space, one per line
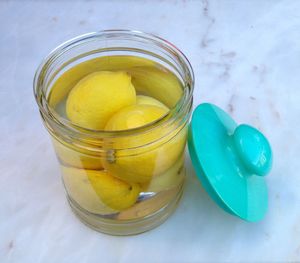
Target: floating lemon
136 166
146 100
98 96
70 78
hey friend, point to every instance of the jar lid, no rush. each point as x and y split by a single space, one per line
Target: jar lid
230 161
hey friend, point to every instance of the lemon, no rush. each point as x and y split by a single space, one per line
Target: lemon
151 205
99 192
113 192
98 96
133 117
171 178
69 155
157 83
70 78
146 100
142 163
80 189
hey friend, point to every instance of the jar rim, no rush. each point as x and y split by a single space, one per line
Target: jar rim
70 127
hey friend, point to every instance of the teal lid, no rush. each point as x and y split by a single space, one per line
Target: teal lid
231 161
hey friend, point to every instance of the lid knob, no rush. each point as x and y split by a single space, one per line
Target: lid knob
253 149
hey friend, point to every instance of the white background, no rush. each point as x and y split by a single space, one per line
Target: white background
246 58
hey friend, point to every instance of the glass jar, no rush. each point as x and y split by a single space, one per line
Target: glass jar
129 181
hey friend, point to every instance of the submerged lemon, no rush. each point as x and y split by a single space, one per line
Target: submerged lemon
82 192
112 191
69 155
98 96
171 178
146 100
157 83
138 165
134 116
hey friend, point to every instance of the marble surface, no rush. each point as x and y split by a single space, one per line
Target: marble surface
246 59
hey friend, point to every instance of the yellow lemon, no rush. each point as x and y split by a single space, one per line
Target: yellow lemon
69 155
70 78
157 83
146 100
133 117
171 178
80 189
139 165
151 205
113 192
98 96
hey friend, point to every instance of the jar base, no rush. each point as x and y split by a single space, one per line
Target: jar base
125 227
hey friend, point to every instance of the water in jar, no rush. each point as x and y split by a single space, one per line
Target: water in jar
127 175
